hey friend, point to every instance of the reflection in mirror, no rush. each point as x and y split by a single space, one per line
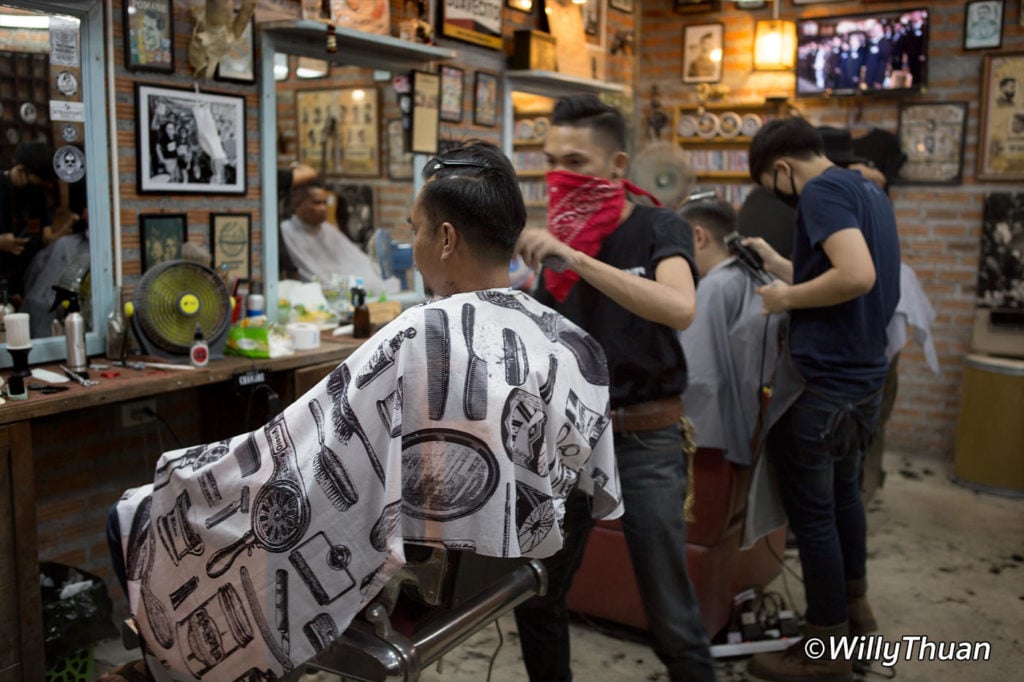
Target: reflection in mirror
46 256
342 218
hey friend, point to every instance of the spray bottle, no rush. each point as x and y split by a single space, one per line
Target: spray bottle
74 334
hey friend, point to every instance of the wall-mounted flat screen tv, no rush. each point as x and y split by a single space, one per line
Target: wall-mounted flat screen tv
881 52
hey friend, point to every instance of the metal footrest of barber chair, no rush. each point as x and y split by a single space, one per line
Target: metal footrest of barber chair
371 650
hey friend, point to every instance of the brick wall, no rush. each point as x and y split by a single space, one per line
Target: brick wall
940 226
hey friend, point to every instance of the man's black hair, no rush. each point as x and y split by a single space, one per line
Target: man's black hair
587 111
790 136
473 186
37 159
299 193
714 215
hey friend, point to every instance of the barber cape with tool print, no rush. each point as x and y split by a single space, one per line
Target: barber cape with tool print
464 423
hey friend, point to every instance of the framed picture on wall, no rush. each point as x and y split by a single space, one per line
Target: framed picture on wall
702 53
452 87
485 99
338 133
399 160
171 155
473 22
983 24
230 236
426 109
239 63
931 134
622 5
161 236
149 35
1001 141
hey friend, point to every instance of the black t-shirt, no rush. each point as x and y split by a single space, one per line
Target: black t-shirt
882 148
645 361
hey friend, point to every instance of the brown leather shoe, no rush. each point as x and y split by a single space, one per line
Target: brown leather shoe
794 665
862 619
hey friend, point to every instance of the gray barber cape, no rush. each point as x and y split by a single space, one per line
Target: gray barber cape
464 423
729 354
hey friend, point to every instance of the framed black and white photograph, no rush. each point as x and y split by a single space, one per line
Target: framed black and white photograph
983 24
161 236
621 5
1001 265
485 99
149 35
591 11
239 63
230 235
452 88
189 142
932 134
702 53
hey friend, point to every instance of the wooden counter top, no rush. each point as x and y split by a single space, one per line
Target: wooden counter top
131 384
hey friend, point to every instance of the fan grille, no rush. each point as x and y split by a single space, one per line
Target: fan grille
174 297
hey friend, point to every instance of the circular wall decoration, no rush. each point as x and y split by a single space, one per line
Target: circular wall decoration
13 136
68 132
687 126
751 124
730 124
28 113
69 164
707 125
67 83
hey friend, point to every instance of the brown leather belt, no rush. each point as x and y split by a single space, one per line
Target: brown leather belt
656 414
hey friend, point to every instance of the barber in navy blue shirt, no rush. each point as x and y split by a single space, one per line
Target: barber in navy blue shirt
841 290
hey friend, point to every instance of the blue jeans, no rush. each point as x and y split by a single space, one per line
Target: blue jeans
652 470
819 445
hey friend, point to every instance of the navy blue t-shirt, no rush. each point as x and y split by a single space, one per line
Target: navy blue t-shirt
842 347
645 361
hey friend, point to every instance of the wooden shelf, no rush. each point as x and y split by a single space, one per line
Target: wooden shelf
740 141
308 38
555 85
723 175
531 175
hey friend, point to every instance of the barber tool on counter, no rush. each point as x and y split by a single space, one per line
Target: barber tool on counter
19 344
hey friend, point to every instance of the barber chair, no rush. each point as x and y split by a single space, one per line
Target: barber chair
717 566
439 599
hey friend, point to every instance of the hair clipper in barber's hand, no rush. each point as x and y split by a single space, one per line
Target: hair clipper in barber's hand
746 255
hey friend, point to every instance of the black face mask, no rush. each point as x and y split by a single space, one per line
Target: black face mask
790 200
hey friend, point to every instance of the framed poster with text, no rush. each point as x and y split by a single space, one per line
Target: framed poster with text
477 22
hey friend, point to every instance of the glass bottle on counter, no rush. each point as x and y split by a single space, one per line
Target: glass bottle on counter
361 315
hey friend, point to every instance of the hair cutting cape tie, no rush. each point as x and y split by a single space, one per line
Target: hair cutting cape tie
582 212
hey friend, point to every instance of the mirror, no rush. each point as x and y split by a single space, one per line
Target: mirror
342 125
53 155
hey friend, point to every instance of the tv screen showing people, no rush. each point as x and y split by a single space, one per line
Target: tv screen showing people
864 53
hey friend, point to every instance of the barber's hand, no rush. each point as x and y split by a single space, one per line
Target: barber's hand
12 244
536 244
774 297
772 259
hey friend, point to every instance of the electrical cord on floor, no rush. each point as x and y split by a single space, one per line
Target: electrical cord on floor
494 656
785 583
156 415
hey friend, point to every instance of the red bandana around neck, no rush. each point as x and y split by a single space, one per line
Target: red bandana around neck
582 211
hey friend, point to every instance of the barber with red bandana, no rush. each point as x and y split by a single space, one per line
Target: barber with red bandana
626 274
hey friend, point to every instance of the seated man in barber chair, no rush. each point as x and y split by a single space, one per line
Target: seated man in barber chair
741 378
462 424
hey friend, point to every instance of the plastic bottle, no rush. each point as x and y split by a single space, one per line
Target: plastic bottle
199 355
361 315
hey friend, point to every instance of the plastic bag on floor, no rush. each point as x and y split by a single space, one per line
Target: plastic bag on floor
76 610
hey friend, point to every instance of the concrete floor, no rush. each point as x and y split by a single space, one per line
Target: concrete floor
944 562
